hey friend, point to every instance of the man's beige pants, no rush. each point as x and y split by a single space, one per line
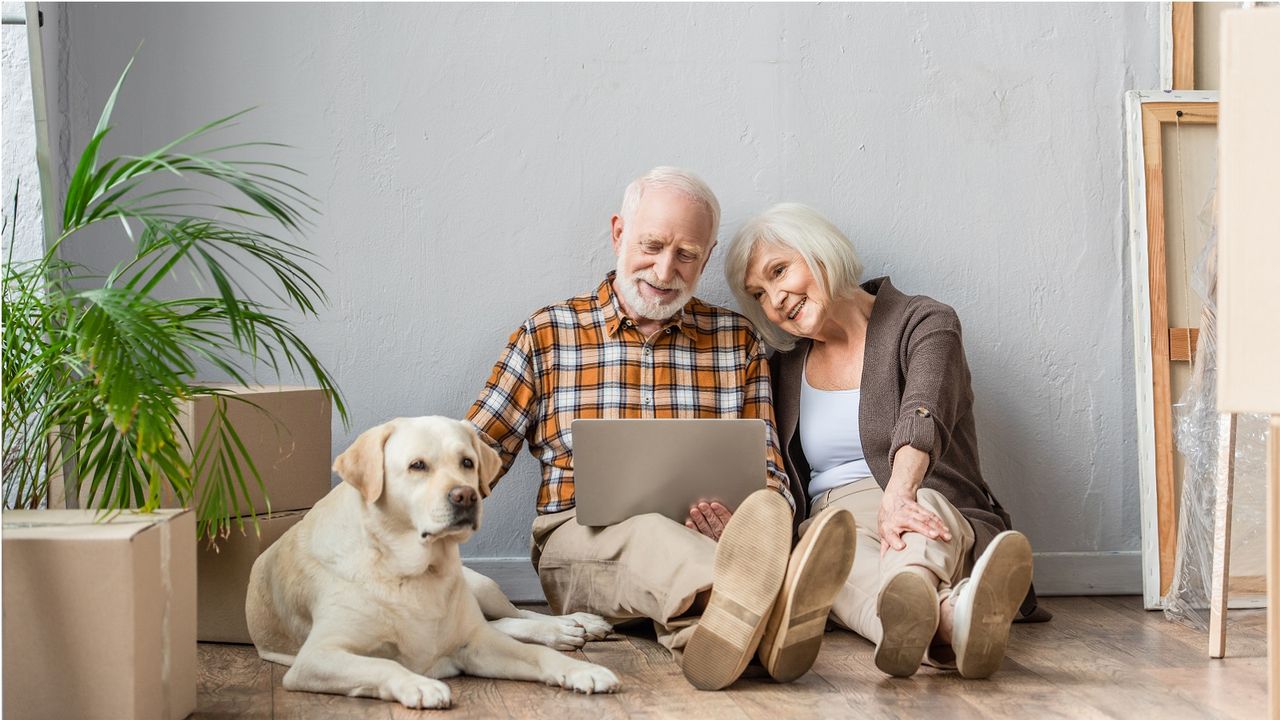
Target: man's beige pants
942 563
646 567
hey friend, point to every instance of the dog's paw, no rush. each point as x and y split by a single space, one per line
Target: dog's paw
557 633
588 678
418 692
562 635
596 627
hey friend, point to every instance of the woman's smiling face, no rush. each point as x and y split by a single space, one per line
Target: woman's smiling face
780 280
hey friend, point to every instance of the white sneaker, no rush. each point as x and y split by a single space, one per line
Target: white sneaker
986 602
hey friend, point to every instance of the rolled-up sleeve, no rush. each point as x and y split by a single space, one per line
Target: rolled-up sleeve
937 384
508 404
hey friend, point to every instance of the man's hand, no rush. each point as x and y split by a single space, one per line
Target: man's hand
708 519
901 514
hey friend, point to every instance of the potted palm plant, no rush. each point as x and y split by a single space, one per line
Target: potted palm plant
95 366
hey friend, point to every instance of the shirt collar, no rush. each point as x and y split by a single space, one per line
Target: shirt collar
614 317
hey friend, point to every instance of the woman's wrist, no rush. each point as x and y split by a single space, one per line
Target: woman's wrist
909 466
895 495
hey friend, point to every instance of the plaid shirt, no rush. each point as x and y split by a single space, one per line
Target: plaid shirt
584 359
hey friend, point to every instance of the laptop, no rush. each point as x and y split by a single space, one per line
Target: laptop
624 468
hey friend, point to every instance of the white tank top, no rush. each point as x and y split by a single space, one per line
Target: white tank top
830 438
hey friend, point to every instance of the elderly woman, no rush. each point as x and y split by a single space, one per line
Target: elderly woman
875 415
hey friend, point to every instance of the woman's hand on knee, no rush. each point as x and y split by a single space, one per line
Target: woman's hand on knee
708 519
901 514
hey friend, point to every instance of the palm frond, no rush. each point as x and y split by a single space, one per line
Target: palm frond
98 364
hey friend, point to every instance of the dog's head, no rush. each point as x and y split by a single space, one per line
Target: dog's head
427 472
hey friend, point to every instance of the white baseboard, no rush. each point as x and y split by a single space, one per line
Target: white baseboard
1056 573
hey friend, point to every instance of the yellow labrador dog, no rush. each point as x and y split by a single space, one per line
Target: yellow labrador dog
367 596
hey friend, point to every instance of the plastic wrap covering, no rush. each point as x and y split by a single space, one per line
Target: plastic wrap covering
1196 423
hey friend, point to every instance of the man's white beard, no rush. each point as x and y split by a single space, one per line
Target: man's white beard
629 286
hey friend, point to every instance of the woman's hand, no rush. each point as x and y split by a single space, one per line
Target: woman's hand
708 519
900 513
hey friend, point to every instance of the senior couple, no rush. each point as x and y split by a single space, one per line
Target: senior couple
873 512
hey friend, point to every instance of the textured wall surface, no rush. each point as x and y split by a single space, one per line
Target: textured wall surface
18 148
467 159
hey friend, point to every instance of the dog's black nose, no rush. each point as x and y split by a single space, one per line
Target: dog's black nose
462 497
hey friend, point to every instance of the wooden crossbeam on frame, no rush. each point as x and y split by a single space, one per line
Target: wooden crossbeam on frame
1183 343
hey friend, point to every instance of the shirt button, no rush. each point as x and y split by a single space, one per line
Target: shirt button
670 330
646 351
922 412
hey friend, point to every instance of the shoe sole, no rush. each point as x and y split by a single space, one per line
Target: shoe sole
1000 579
908 611
751 560
817 570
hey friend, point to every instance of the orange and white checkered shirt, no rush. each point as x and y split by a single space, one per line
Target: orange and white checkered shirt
583 358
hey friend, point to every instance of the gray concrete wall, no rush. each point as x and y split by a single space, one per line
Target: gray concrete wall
467 159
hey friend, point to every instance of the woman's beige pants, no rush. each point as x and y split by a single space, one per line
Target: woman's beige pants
942 563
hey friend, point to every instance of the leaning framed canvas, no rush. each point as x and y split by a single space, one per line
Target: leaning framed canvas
1159 343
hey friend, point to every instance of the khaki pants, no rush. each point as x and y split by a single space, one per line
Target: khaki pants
646 567
941 563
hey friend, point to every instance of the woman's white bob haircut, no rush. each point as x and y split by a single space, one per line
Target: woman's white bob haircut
671 178
829 254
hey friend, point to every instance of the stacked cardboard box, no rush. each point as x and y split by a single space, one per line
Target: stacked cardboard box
99 614
286 430
224 576
291 449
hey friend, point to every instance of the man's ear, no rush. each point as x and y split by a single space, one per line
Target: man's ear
615 233
488 463
361 464
707 258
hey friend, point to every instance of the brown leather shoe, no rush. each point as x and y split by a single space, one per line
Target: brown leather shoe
751 560
817 569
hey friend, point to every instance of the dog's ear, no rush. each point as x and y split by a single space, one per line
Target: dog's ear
488 464
361 464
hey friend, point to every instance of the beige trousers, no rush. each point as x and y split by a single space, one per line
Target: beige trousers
646 567
942 563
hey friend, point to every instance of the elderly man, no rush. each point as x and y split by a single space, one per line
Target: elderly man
720 586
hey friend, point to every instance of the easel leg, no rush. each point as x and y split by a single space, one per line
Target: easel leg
1220 578
1273 557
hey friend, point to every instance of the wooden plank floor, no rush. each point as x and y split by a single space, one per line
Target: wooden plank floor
1099 658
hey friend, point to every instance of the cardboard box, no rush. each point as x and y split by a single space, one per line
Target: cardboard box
223 577
99 617
290 445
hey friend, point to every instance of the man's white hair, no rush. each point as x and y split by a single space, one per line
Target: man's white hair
670 178
829 254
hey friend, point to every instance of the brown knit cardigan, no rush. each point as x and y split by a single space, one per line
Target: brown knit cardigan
915 391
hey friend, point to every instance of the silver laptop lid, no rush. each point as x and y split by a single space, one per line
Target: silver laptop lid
624 468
